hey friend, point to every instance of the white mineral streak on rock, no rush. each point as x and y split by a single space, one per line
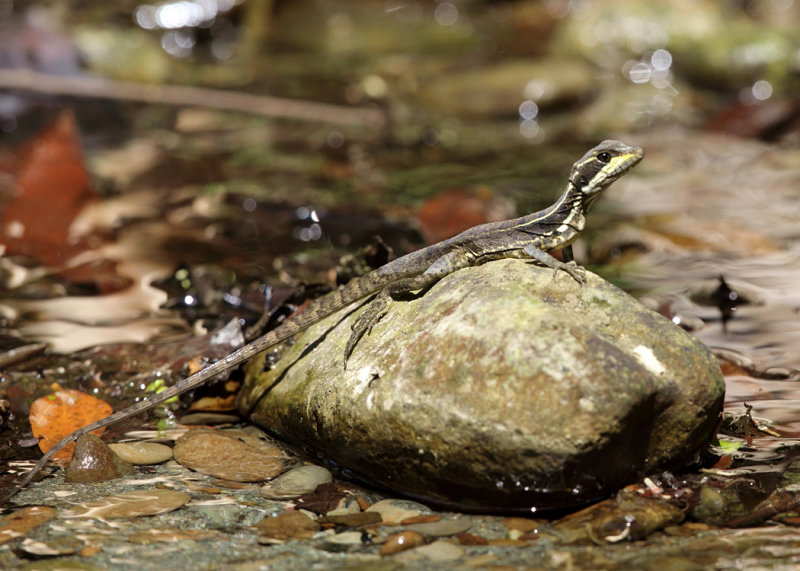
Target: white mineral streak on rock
649 360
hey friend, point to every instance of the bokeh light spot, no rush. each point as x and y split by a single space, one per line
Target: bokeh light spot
445 14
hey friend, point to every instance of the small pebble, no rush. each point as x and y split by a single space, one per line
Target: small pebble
90 550
296 482
353 520
226 457
470 539
52 547
142 453
401 542
438 551
521 524
94 461
393 511
441 528
347 538
347 505
289 525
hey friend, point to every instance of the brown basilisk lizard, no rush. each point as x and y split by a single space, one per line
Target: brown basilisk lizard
531 237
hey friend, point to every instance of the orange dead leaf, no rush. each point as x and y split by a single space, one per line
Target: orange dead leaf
56 415
457 209
52 186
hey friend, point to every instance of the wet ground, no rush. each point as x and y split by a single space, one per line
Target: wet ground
155 223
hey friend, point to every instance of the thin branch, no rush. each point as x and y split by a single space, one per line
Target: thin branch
95 87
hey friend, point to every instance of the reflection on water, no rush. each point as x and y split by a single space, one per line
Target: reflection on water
726 207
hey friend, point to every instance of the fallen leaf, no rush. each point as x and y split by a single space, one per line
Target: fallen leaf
325 498
51 187
56 415
457 209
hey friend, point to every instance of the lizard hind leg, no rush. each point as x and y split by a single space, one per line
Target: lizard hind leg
379 306
374 312
399 289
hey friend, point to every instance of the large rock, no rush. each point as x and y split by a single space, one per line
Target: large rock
500 388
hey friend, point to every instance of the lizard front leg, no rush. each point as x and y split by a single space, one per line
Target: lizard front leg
379 306
571 267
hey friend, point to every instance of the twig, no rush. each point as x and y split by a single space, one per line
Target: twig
95 87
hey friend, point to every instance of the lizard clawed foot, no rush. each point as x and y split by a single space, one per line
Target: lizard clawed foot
572 268
577 272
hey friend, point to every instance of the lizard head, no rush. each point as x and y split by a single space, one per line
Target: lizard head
601 166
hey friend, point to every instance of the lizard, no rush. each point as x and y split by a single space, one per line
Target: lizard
530 237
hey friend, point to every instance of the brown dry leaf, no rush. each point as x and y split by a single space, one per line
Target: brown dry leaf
52 186
455 210
325 498
215 404
54 416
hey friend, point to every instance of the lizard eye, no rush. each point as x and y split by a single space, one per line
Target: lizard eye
604 157
583 180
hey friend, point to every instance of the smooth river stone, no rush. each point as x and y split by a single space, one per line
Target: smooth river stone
94 461
393 511
142 453
296 482
402 541
289 525
501 388
226 457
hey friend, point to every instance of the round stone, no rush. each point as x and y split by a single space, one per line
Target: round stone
502 387
93 461
394 511
226 457
142 453
296 482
